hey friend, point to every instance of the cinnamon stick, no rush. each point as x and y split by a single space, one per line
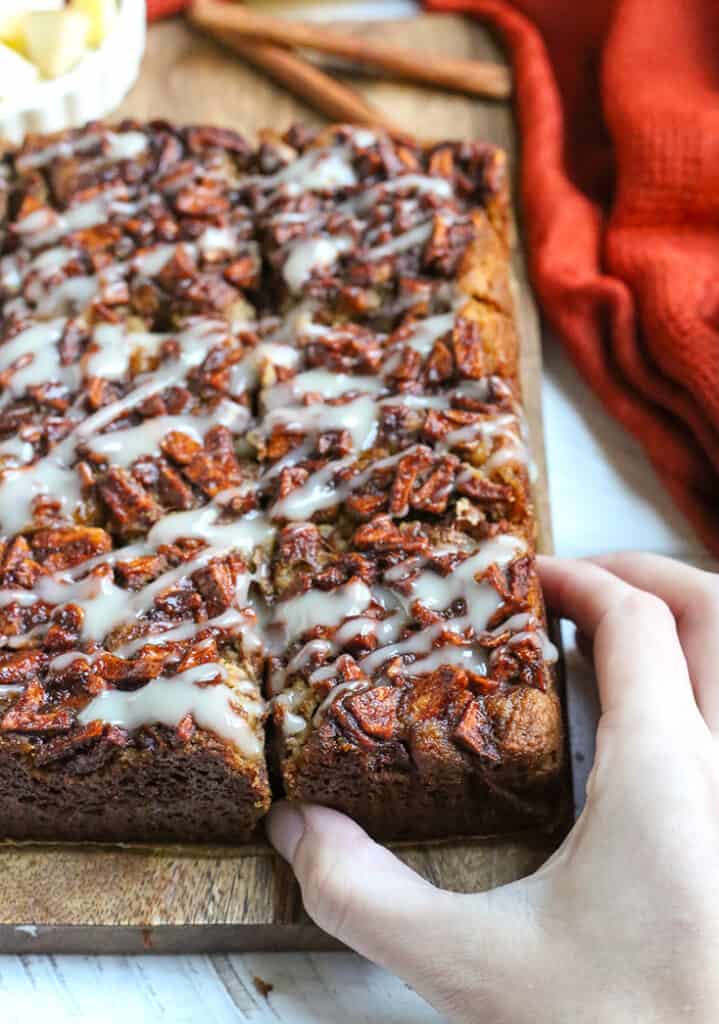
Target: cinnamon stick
469 76
336 101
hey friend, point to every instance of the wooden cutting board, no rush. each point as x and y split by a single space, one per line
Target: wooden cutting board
94 899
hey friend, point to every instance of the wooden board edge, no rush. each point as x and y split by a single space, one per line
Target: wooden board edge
163 940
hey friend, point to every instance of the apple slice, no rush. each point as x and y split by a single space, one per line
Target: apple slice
102 15
16 73
12 15
55 40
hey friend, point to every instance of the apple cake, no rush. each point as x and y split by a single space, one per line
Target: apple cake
265 495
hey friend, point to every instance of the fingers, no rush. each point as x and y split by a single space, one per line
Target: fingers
359 892
693 597
354 888
641 669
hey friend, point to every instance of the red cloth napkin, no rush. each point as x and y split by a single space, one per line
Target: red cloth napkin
164 8
619 116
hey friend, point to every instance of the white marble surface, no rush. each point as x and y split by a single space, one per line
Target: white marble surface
604 497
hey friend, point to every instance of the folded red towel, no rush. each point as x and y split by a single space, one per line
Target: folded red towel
164 8
618 105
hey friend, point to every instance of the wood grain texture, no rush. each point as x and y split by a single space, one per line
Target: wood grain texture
170 899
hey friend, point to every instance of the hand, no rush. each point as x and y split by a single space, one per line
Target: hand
622 923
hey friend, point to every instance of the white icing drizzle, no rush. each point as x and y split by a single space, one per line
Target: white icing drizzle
62 148
439 592
318 492
245 374
44 295
16 452
408 240
522 620
298 614
242 535
504 427
420 642
420 401
107 606
25 598
36 275
318 170
232 711
113 348
45 226
10 272
363 137
20 487
324 382
62 661
53 259
432 658
231 619
305 256
212 239
358 417
11 689
292 723
426 332
347 687
151 261
310 649
385 630
125 145
420 183
513 450
21 641
524 627
318 647
109 356
122 447
71 296
37 346
451 654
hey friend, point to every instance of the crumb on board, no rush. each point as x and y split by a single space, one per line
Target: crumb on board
263 987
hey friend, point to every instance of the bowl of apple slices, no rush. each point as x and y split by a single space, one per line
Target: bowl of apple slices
64 62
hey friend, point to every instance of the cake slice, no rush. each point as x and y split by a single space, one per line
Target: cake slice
411 678
133 550
418 693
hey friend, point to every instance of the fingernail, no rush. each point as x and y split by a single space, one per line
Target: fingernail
284 826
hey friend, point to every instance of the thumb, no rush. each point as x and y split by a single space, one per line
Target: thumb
352 887
357 891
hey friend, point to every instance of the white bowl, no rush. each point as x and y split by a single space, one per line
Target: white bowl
92 89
